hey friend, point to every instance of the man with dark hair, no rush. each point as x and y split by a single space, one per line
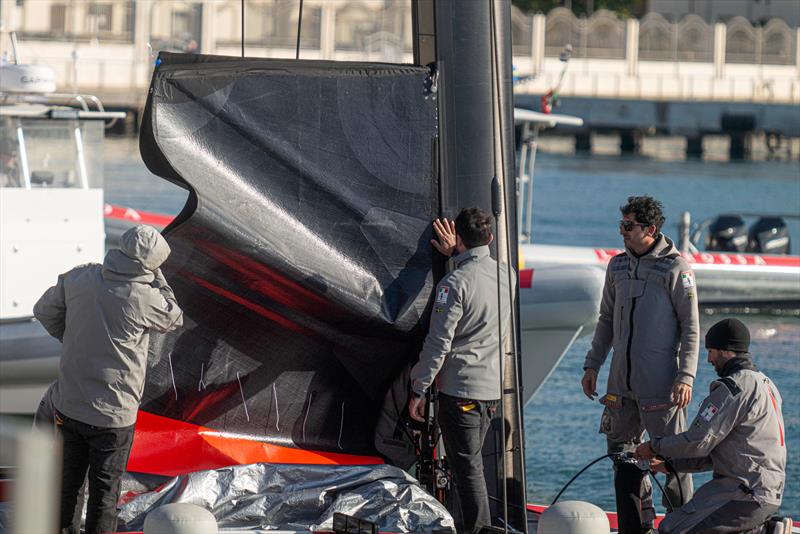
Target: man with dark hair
738 433
461 352
103 315
649 316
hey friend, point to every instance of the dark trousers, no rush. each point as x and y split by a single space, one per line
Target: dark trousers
464 424
104 453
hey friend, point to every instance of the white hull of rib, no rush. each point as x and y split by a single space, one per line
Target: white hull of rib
722 278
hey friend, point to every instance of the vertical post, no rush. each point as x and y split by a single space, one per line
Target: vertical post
208 19
23 159
720 34
797 50
141 30
538 29
35 493
7 15
632 47
81 157
327 37
423 23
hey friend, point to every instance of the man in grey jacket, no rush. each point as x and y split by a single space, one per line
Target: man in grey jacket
103 314
461 353
649 316
738 433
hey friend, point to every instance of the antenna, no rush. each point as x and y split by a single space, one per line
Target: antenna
242 28
14 47
299 25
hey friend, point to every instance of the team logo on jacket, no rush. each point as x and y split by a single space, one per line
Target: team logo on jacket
441 297
709 413
687 279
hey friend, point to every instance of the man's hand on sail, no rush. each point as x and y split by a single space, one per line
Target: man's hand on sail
446 232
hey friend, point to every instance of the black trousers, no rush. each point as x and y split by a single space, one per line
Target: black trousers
104 453
464 424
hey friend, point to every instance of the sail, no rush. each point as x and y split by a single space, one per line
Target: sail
302 258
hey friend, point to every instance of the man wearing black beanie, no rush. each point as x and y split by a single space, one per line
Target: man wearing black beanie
738 434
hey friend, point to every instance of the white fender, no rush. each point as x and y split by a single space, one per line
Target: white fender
573 517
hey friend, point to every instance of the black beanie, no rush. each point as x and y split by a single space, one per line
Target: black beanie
728 334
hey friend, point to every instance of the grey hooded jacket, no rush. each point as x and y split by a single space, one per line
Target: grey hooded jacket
649 316
462 343
739 433
103 314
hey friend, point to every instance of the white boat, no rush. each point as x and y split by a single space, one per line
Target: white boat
723 279
51 217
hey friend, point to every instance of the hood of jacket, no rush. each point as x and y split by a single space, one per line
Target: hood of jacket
142 251
662 248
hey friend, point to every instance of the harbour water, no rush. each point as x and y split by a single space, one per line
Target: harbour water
576 200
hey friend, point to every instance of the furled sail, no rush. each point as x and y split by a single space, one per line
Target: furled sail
302 259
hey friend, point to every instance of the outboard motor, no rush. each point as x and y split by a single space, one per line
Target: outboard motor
769 235
727 233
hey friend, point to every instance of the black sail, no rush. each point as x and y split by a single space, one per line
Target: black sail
302 259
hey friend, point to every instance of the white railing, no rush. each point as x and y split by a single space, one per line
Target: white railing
612 57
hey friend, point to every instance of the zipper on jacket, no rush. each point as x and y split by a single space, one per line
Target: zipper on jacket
630 330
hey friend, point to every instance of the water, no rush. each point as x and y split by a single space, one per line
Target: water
576 201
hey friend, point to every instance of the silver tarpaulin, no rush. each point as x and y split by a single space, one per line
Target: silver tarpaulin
296 497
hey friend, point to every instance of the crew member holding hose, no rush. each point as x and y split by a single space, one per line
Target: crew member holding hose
649 316
738 433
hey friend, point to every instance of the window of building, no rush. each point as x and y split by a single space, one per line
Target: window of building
58 18
100 17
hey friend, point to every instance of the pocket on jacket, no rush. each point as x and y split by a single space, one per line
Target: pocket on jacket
657 412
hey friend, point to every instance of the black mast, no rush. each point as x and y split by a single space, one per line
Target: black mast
470 44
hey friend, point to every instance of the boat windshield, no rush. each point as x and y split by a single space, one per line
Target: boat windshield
43 152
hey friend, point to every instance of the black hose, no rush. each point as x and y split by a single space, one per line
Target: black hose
664 493
579 473
671 469
667 463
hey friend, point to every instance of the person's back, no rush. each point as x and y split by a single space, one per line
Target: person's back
754 452
472 368
738 434
103 314
462 352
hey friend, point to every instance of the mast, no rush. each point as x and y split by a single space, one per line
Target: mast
470 44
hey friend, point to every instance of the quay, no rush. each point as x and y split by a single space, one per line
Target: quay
654 76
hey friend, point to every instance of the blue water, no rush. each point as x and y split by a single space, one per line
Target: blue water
576 200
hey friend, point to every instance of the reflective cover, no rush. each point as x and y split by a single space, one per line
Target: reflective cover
293 497
302 259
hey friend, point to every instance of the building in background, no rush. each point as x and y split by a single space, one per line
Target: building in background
758 12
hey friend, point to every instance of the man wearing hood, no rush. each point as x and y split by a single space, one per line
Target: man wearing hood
649 316
738 433
103 314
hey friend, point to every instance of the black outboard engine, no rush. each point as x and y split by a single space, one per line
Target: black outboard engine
727 234
769 235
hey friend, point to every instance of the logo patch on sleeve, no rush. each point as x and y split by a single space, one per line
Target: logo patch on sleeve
709 413
441 297
687 279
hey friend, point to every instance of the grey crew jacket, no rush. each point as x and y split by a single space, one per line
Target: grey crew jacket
739 434
649 316
103 315
461 347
